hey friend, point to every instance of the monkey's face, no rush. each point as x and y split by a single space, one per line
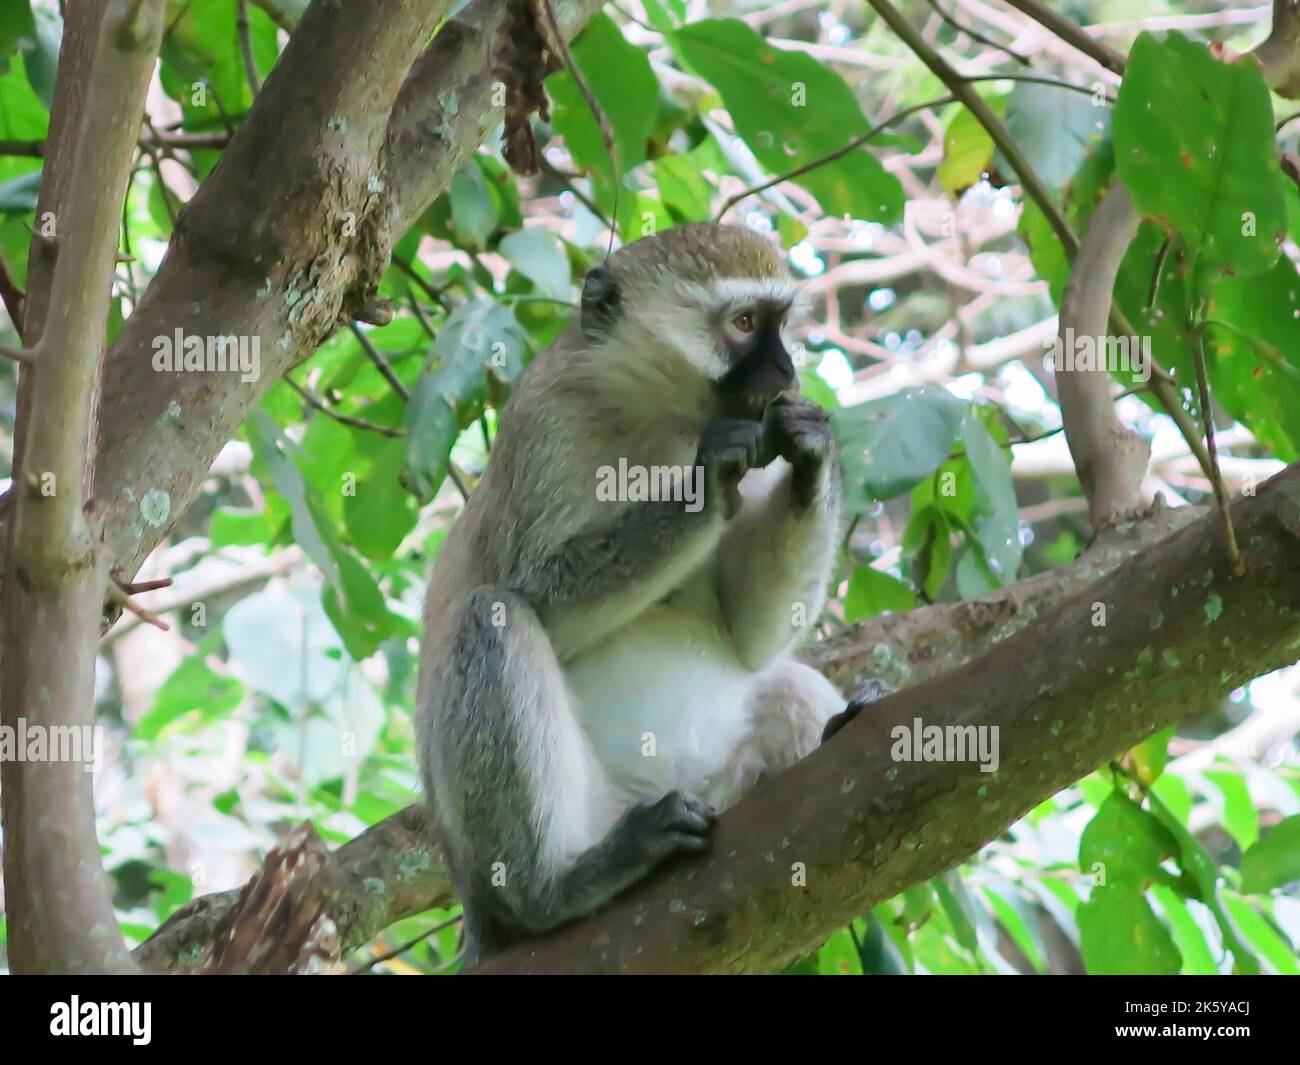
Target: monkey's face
758 366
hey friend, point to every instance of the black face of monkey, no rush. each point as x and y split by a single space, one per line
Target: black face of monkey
760 365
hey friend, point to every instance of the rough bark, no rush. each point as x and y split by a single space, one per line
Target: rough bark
59 907
394 871
289 236
1066 697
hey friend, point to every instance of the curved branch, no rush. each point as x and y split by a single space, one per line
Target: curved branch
859 826
1111 460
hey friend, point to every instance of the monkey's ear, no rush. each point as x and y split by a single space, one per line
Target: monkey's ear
600 302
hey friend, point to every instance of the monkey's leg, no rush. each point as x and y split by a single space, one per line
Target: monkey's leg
518 792
791 705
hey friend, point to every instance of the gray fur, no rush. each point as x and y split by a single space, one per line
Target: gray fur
537 574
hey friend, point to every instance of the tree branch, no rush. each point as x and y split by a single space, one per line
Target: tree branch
1066 697
1111 459
58 900
903 650
1072 34
264 239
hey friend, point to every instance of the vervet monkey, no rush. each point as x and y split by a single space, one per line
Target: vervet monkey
599 677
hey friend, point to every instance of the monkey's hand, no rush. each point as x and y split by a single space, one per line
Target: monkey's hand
800 433
728 450
659 828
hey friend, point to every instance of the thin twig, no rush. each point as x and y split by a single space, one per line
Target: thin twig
1034 188
1071 34
409 270
119 593
379 959
975 35
559 47
381 363
1197 339
12 296
552 170
839 153
318 404
245 30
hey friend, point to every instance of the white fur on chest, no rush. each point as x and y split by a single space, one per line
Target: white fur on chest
665 705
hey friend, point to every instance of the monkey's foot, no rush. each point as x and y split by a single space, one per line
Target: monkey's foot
663 827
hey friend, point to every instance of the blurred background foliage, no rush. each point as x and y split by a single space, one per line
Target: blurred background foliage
283 690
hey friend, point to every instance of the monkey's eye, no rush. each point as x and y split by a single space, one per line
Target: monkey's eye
744 322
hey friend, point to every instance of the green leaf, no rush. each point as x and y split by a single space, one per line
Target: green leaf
997 514
1197 864
928 540
230 527
472 211
967 149
1240 817
1054 128
351 598
1198 959
683 186
792 111
202 46
479 337
1274 860
1259 382
539 255
959 907
873 592
381 512
619 77
1125 841
193 687
431 431
1119 934
1016 918
839 956
1279 954
889 445
16 28
880 954
1151 755
1194 145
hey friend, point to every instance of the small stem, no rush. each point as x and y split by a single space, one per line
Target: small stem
245 30
1071 34
1207 420
318 404
381 363
975 35
839 153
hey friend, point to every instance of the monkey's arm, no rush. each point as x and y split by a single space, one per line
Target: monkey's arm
607 573
776 556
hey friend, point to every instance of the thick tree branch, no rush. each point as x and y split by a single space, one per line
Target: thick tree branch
1279 53
1066 696
283 233
390 871
902 650
58 901
291 233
